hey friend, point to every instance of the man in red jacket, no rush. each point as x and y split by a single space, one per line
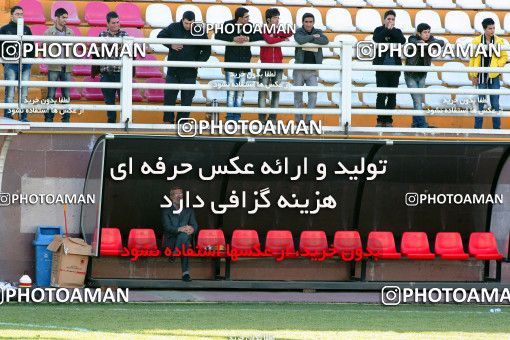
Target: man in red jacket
273 34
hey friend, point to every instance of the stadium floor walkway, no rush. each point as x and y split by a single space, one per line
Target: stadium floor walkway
251 296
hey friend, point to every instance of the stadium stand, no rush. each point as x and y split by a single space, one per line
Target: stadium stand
343 20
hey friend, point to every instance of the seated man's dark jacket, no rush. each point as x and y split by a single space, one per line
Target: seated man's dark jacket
171 222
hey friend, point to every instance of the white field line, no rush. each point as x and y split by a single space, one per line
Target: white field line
265 310
29 325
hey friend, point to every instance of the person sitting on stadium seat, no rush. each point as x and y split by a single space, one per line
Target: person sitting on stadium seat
110 73
387 33
180 75
272 35
179 228
11 71
488 80
59 72
417 79
307 55
241 31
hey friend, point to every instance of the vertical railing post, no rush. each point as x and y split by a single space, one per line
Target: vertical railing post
126 79
346 84
19 31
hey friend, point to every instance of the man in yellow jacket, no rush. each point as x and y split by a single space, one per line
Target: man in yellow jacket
488 80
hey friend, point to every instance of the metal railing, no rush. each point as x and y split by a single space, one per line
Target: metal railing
343 109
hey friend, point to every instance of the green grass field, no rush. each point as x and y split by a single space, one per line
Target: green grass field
247 320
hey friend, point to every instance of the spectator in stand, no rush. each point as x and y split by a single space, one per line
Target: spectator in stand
417 79
177 52
387 34
59 72
11 69
487 80
240 31
272 34
110 73
307 55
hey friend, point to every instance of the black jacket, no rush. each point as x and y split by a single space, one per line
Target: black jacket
171 222
384 35
418 59
188 53
12 29
238 54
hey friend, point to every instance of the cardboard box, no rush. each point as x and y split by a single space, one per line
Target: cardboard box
70 259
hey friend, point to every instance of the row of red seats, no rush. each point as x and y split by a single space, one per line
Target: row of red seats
94 32
414 245
95 13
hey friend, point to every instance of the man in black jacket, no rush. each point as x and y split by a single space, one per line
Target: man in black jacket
11 69
177 52
179 225
241 31
387 34
417 79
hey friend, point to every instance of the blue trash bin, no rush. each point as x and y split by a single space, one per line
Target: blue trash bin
43 257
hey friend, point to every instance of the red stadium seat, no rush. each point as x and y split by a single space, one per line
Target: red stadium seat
136 95
95 13
82 70
71 9
75 93
39 30
142 239
449 246
155 95
33 12
134 32
415 245
148 71
43 68
280 240
76 31
483 246
129 15
313 240
111 242
95 31
211 238
347 240
383 244
243 239
92 93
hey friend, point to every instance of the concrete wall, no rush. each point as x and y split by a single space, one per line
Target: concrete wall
39 164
